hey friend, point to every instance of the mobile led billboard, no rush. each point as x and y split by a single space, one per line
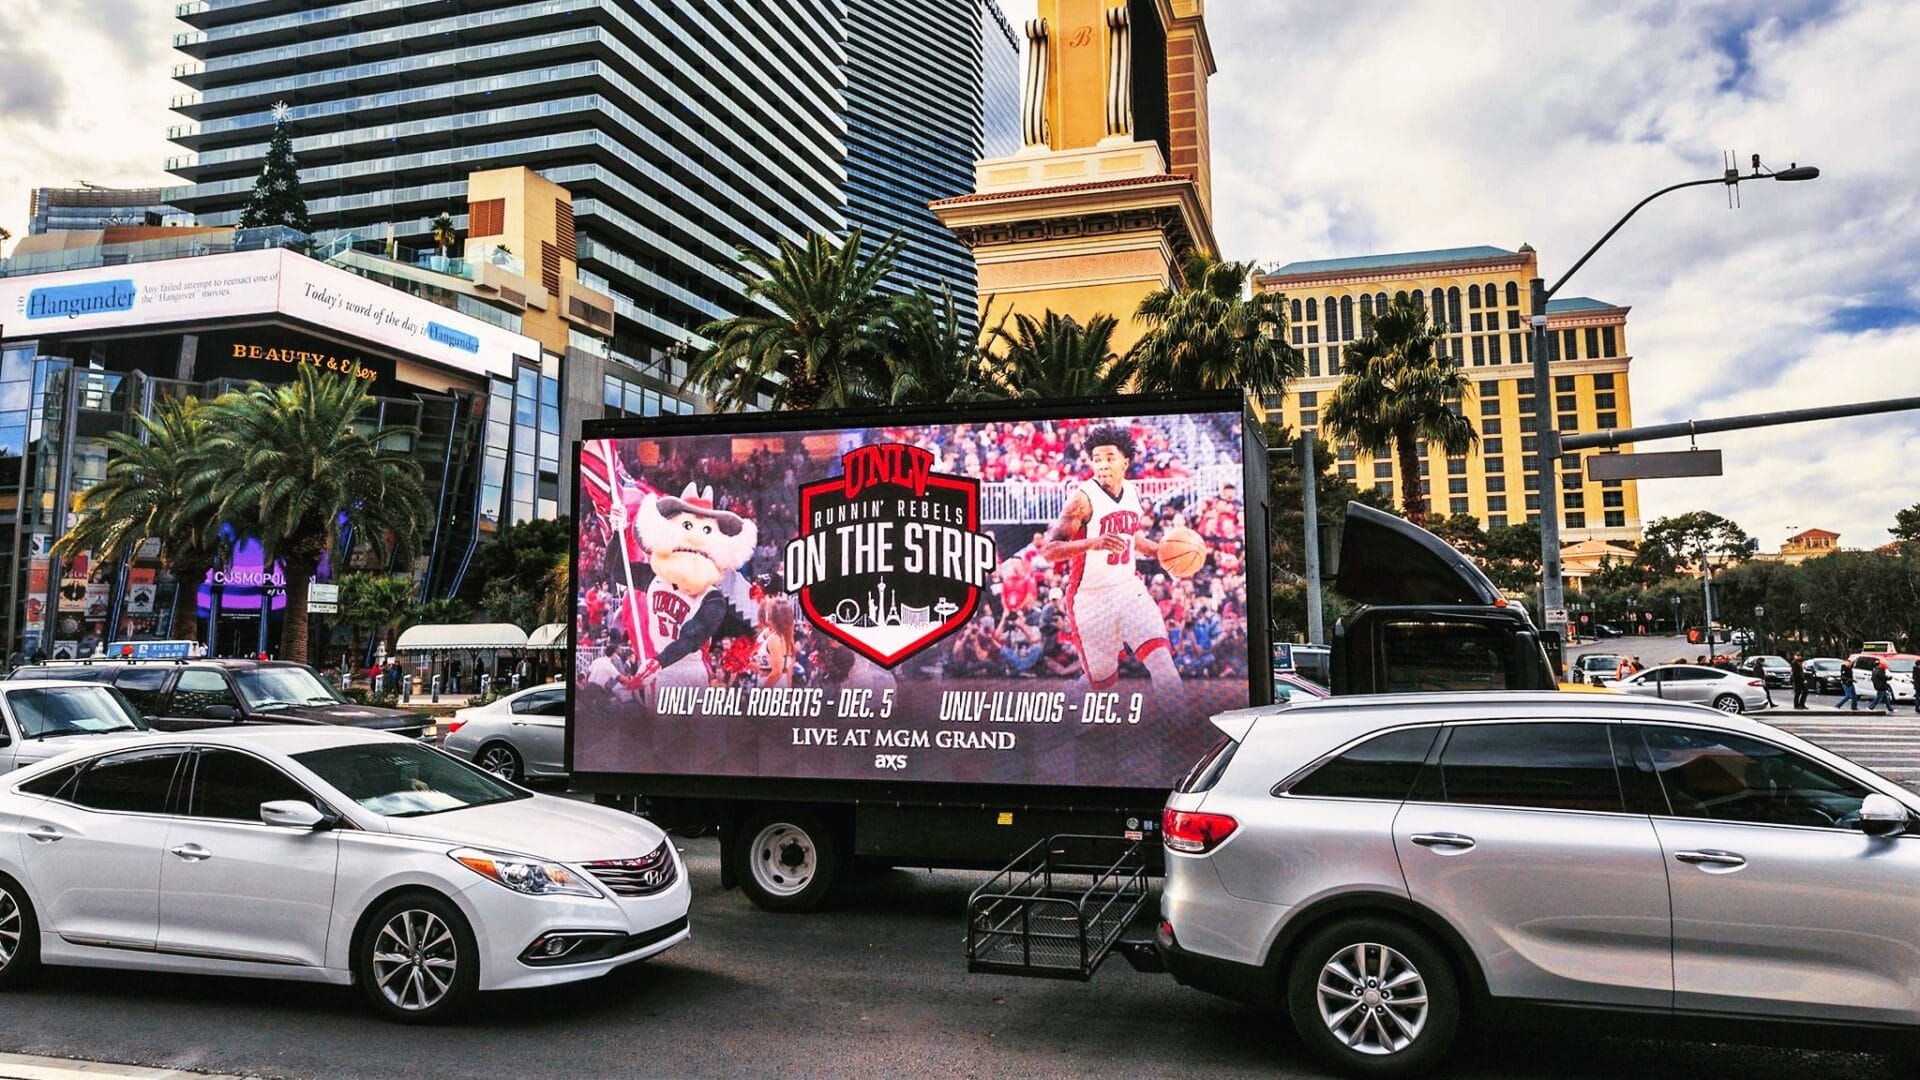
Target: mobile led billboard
1004 600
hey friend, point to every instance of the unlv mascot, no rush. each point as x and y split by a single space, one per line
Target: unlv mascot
695 551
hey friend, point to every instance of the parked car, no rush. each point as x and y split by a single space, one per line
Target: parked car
38 721
1728 691
325 854
1382 867
1605 630
1825 673
1299 686
1899 673
182 695
1777 671
518 737
1596 668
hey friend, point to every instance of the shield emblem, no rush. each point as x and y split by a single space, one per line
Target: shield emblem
882 607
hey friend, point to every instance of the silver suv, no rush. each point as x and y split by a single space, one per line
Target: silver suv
1386 866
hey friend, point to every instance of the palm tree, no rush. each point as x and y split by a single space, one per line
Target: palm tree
1205 334
1399 390
381 604
444 236
295 470
556 590
147 493
442 611
932 356
1055 357
814 343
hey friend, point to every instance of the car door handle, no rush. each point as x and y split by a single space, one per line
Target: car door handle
191 852
1443 840
45 834
1710 857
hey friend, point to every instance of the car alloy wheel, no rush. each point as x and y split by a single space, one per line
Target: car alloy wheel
1728 703
1372 998
500 760
12 927
416 959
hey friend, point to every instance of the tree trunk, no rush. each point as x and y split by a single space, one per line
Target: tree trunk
1407 452
188 574
293 628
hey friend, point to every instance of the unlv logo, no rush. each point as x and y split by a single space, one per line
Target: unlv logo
889 558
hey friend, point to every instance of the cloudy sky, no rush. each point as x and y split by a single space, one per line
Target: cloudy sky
1351 128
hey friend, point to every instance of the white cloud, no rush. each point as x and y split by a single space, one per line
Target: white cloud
84 98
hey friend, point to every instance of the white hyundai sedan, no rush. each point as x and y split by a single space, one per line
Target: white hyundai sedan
324 854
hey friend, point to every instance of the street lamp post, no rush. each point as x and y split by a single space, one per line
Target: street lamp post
1547 471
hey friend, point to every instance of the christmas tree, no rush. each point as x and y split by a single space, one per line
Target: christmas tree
276 198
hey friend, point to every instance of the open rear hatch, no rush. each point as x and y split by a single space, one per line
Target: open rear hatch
1388 560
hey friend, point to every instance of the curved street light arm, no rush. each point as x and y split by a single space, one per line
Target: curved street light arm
1728 180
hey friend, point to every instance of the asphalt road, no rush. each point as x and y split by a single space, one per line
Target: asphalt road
875 988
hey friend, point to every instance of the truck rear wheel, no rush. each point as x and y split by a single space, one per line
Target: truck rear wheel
786 859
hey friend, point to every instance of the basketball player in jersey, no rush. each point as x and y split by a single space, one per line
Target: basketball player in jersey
1099 532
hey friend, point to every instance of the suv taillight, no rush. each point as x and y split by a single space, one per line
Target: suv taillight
452 726
1194 833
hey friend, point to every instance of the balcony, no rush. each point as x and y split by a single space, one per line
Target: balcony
190 244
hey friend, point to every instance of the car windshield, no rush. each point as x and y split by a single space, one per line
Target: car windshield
282 687
1901 667
50 712
404 779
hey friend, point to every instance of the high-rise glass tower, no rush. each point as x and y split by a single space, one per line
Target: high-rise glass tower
683 130
931 84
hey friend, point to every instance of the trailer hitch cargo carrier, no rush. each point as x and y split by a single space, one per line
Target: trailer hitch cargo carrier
1058 910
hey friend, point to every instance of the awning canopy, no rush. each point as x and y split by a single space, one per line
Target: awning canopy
462 637
551 636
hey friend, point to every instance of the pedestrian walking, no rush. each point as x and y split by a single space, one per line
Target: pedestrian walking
1848 691
453 677
1882 687
1799 682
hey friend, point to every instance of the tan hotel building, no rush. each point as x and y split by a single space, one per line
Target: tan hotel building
1483 293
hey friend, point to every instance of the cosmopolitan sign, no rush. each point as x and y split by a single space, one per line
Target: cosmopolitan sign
253 283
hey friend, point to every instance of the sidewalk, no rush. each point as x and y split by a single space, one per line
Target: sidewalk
28 1067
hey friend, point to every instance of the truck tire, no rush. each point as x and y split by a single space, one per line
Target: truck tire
786 859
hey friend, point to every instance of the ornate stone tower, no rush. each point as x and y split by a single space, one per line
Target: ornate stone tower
1113 185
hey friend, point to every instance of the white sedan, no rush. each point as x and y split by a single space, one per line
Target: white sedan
42 720
1728 691
520 736
324 854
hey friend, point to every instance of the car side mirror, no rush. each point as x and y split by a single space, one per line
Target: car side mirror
294 814
1881 815
222 712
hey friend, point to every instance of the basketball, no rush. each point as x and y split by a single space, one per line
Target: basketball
1182 552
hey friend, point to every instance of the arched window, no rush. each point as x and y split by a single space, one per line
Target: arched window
1401 295
1366 311
1332 310
1513 294
1346 317
1313 310
1454 322
1420 299
1296 311
1492 295
1473 297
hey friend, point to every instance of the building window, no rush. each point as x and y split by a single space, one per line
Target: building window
1296 312
1457 485
1299 334
1333 361
1456 506
1513 294
1313 361
1491 446
1489 388
1493 348
1366 308
1613 498
1496 484
1382 470
1528 445
1563 384
1566 403
1313 333
1603 401
1570 480
1609 342
1576 519
1496 521
1616 519
1493 297
1514 348
1479 349
1348 472
1489 406
1496 504
1573 500
1474 323
1607 419
1456 466
1531 481
1495 465
1384 487
1593 341
1533 502
1490 426
1569 422
1420 299
1309 417
1570 339
1603 381
1423 466
1313 310
1453 308
1473 300
1529 422
1346 452
1346 318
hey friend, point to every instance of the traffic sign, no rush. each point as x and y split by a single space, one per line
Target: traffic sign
1556 616
1648 465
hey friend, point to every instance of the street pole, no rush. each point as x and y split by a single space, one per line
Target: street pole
1548 442
1547 434
1309 482
1706 595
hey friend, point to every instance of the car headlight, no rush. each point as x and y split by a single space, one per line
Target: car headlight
523 875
